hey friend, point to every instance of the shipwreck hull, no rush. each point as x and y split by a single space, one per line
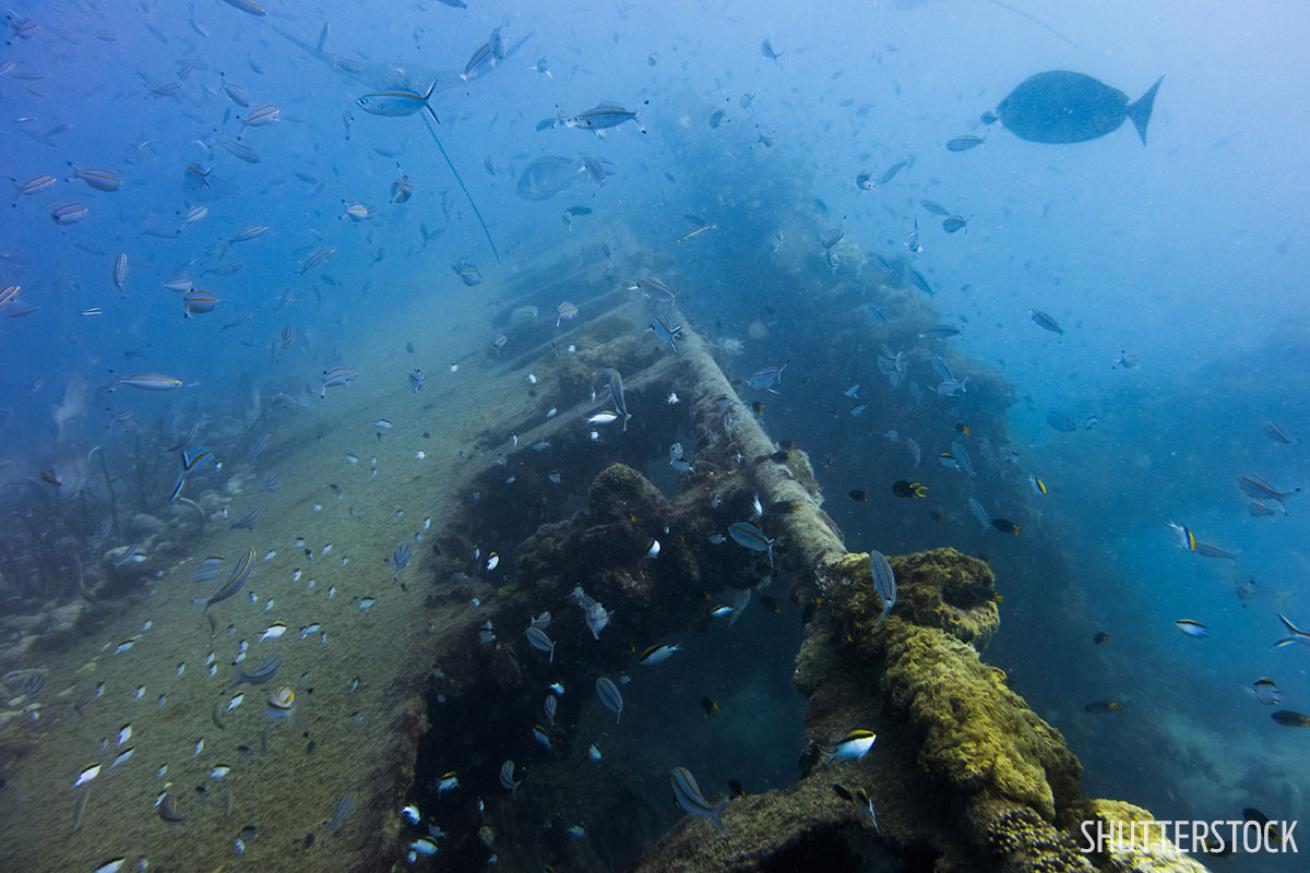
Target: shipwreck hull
964 776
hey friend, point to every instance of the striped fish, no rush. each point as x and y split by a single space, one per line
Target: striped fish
1254 486
69 213
180 283
250 231
101 180
266 670
852 747
336 376
609 695
1278 433
884 582
1186 539
240 151
538 640
1188 542
262 115
237 578
486 56
317 258
36 185
197 301
397 102
690 798
979 513
246 522
749 536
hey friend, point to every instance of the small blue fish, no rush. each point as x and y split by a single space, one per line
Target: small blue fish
539 734
416 380
467 273
1045 322
666 333
853 747
400 557
766 379
749 536
964 143
1061 422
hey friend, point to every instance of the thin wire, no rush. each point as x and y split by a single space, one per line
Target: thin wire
462 186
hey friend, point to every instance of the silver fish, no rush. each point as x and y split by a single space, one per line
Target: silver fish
604 116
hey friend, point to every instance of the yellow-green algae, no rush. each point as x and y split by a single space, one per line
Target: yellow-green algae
963 773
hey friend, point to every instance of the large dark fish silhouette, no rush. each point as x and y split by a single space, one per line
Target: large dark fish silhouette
1062 107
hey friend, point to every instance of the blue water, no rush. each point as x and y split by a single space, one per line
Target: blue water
1184 253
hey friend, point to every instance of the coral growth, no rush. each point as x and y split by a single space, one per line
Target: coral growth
964 776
